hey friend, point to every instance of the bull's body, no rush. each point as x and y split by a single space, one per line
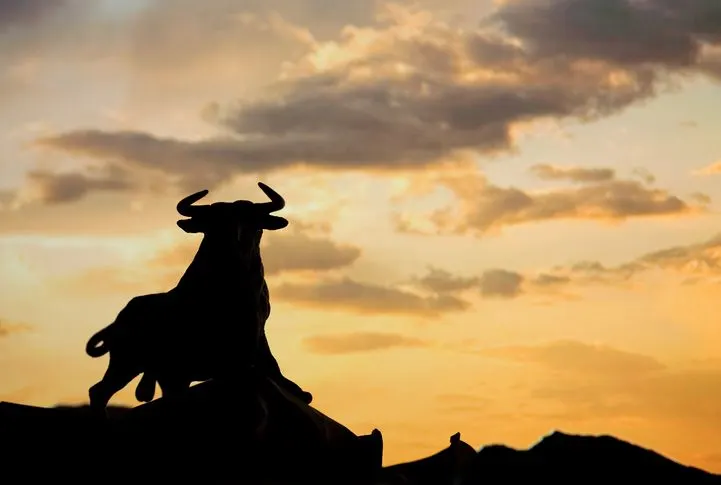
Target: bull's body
210 325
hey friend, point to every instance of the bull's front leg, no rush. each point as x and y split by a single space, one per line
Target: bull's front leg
265 358
269 366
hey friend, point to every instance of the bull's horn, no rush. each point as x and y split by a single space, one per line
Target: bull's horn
276 200
186 208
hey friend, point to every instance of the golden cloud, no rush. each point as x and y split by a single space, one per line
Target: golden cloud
484 207
294 251
8 328
359 342
598 381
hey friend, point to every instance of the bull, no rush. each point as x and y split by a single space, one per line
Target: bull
212 323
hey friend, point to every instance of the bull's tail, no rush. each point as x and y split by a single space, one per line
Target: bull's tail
97 346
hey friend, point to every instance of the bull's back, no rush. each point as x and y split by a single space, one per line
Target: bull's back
143 320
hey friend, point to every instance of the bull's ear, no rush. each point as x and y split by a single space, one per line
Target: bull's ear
273 223
189 225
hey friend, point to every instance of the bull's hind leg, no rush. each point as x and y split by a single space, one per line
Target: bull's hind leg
117 376
145 390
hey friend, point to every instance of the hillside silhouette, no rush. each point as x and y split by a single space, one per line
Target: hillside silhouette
202 437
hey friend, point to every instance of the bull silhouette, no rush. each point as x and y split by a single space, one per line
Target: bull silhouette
212 323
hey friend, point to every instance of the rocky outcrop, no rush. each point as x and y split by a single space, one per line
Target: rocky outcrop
217 431
258 433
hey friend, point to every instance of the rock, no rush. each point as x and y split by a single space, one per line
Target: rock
442 468
217 431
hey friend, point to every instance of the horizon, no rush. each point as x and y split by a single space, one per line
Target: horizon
504 215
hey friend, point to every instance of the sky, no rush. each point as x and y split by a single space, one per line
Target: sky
504 215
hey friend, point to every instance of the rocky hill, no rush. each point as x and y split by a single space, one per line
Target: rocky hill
257 434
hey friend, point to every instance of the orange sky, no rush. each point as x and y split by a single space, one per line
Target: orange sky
503 215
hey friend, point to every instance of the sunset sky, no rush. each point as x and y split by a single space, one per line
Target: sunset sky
504 215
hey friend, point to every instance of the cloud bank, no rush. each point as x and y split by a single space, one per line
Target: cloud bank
410 91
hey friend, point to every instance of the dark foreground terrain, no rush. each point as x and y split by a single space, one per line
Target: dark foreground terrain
218 434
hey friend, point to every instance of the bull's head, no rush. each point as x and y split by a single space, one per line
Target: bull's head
238 216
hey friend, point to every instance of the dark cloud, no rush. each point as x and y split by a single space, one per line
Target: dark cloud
19 13
405 99
622 32
646 176
204 164
359 342
501 283
297 251
574 174
58 188
441 281
493 283
701 257
365 298
701 198
545 279
698 262
485 207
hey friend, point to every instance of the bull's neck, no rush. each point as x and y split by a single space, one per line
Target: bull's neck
222 260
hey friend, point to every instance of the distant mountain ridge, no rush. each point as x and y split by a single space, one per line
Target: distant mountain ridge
567 458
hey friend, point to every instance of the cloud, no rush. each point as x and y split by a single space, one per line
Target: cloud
10 328
625 33
699 262
600 382
441 281
696 262
289 252
15 13
166 42
712 169
366 298
493 283
574 174
579 358
646 176
500 283
297 251
65 187
550 280
359 342
411 91
700 258
484 207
